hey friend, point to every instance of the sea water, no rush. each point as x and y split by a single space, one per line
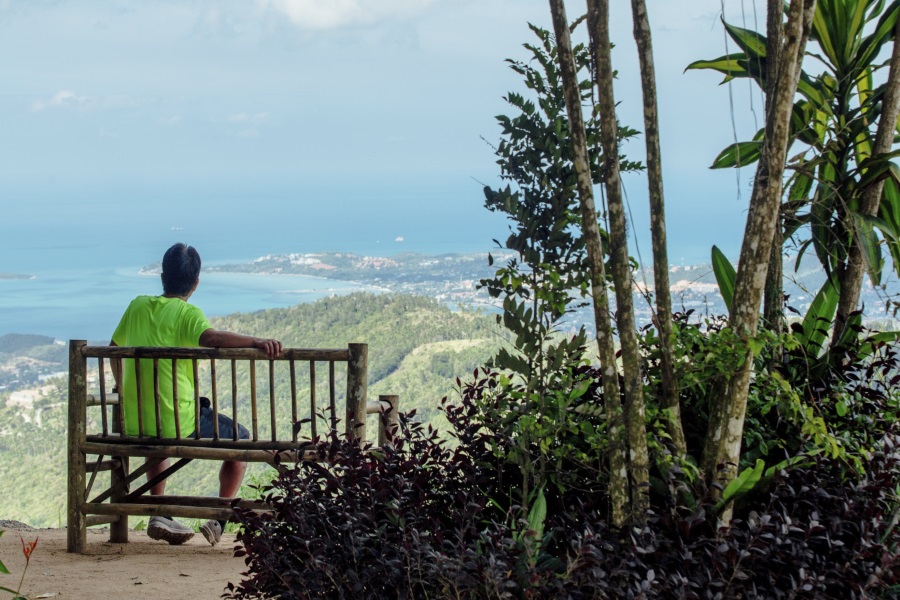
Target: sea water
83 256
84 243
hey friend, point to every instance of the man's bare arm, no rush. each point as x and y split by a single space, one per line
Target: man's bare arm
212 338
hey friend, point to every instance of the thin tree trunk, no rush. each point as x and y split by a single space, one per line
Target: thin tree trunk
639 463
852 276
618 468
726 425
773 302
670 401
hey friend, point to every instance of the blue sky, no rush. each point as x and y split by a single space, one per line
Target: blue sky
350 99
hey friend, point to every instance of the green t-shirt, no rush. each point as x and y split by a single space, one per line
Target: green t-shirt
161 322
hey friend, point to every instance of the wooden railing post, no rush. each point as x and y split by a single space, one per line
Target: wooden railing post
357 386
76 524
390 421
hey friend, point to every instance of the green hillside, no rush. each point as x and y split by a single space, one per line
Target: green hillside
417 349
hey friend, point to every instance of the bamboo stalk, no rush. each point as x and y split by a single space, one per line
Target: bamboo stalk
130 442
234 399
103 465
390 423
112 399
253 414
94 472
312 398
175 404
293 402
159 477
332 395
207 501
357 385
76 534
299 354
140 395
190 512
196 398
92 520
102 376
119 489
200 452
156 397
215 399
272 398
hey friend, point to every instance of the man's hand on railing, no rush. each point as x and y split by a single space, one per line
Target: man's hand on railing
272 348
212 338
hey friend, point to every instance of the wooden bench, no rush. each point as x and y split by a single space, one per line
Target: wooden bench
274 417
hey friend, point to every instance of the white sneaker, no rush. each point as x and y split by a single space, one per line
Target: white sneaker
169 530
212 531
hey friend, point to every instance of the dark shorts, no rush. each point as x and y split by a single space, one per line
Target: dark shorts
226 425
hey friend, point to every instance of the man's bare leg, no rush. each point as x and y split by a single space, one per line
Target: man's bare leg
230 477
160 488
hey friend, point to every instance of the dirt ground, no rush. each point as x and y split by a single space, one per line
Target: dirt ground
142 568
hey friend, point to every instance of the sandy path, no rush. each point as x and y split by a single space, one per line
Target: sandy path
143 568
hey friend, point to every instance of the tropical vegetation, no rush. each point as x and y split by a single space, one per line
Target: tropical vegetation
719 457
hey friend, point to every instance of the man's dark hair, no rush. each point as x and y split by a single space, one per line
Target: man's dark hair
180 269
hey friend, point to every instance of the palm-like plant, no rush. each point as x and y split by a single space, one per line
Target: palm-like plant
833 130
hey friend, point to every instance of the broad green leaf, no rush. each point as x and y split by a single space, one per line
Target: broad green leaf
871 45
738 155
817 317
725 275
742 484
871 247
751 42
729 65
537 515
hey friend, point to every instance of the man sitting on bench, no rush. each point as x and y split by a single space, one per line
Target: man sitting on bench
169 321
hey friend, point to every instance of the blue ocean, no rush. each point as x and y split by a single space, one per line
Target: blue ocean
83 254
83 247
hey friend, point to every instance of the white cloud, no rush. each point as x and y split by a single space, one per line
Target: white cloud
248 118
69 99
334 14
62 99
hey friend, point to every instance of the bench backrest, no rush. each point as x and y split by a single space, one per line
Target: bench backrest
268 398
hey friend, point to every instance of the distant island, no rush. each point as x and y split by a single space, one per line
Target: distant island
16 276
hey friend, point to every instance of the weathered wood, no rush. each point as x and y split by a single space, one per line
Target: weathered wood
156 397
92 520
200 452
176 406
103 465
196 398
112 399
253 415
297 354
332 395
293 401
154 449
174 510
234 412
76 525
139 393
207 501
272 399
102 376
312 398
215 398
357 386
390 423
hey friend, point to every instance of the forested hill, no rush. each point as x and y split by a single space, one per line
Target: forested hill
417 348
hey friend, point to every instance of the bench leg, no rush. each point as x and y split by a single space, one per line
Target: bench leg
76 521
118 531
